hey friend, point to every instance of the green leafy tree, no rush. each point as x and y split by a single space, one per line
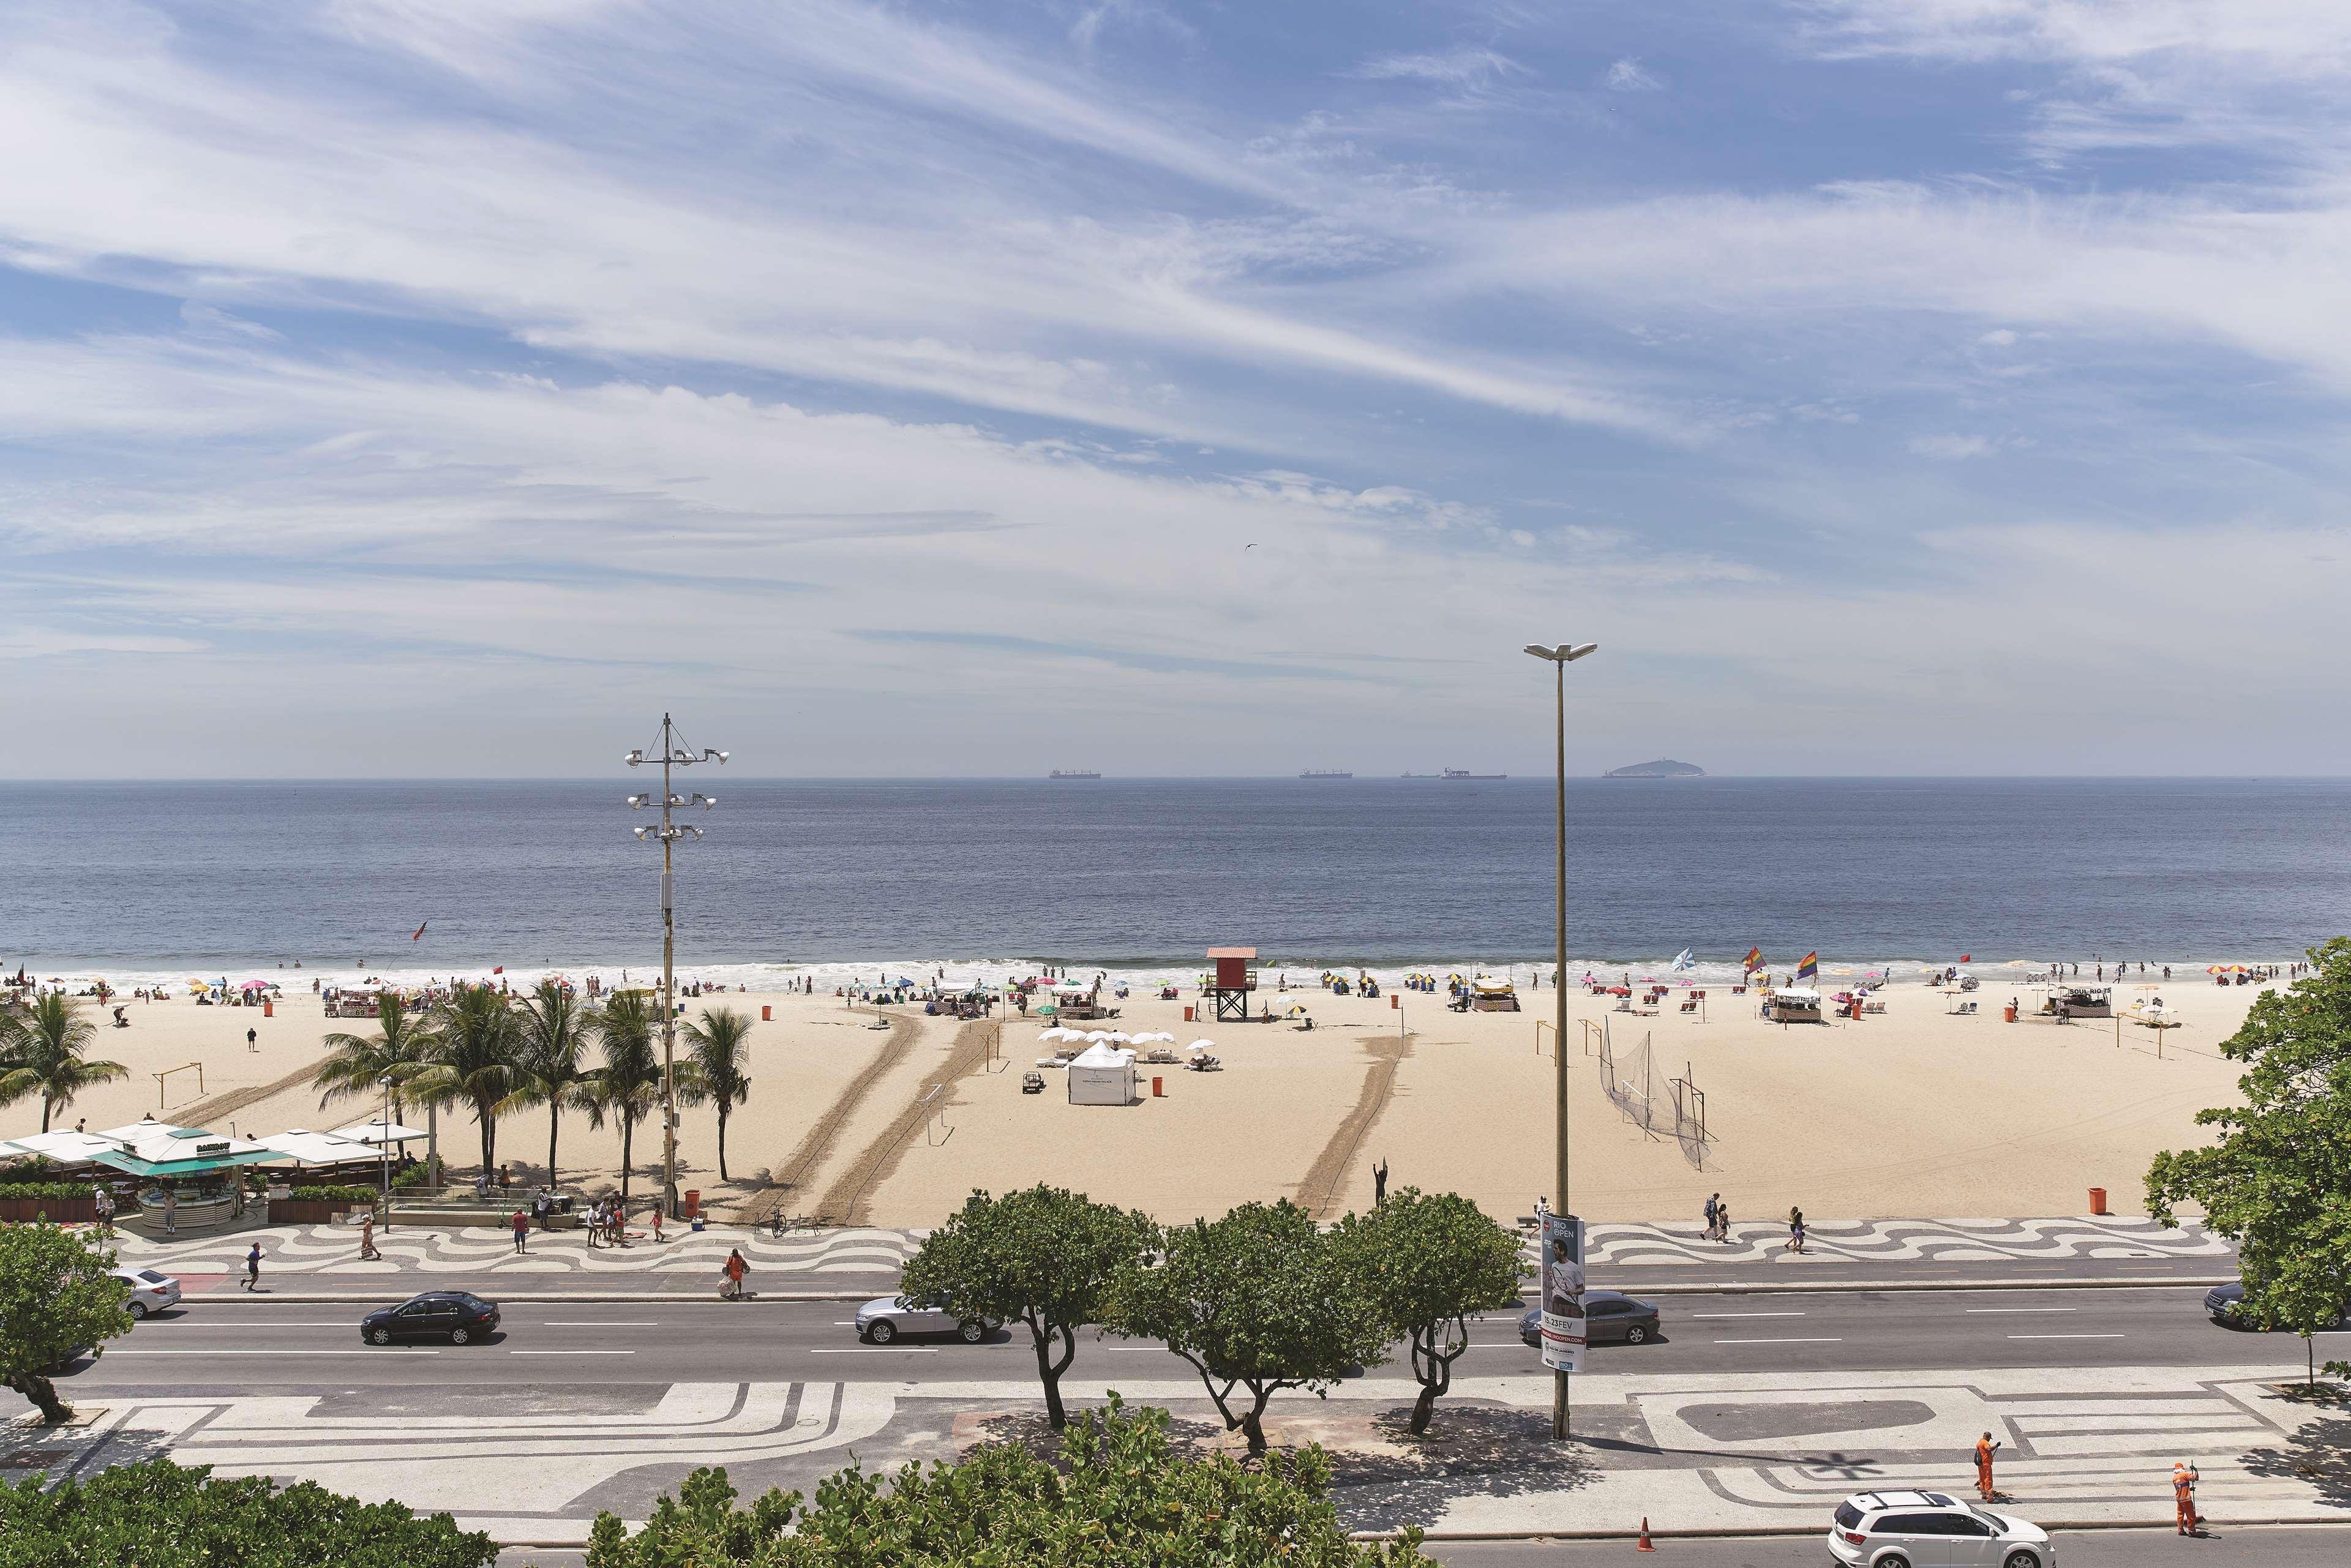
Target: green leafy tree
1118 1497
550 1061
2277 1178
720 1066
56 1299
1261 1301
1429 1265
628 1086
42 1055
1043 1256
471 1061
157 1514
357 1064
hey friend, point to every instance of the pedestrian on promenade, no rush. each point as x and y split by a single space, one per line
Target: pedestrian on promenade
171 1212
2184 1477
1985 1450
657 1221
1723 1222
101 1203
521 1223
252 1280
368 1254
736 1268
1712 1205
1795 1229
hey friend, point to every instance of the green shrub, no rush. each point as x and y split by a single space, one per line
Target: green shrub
1118 1498
412 1176
43 1189
162 1515
333 1194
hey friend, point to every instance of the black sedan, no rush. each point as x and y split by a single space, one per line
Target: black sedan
2224 1302
1610 1317
460 1317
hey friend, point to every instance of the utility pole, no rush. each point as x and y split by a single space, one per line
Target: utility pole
673 754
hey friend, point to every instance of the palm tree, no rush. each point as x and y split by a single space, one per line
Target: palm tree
471 1061
628 1087
356 1064
548 1066
720 1070
42 1056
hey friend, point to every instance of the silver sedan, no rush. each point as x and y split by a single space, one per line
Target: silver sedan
884 1319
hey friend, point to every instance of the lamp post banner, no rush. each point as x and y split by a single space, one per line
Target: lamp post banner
1563 1292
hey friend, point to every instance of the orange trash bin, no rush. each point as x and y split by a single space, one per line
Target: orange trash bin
2097 1200
767 1015
1158 1090
691 1205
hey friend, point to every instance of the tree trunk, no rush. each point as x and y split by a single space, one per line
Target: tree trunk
1051 1368
554 1120
1253 1427
627 1133
722 1142
42 1392
45 1113
1423 1409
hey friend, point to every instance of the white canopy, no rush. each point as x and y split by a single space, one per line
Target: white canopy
1103 1055
65 1148
317 1148
1797 994
378 1132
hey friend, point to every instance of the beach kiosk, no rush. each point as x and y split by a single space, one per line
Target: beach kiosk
1792 1004
1234 979
1102 1074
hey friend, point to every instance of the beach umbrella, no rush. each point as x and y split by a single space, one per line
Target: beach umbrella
1201 1044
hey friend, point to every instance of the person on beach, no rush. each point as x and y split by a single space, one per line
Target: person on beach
252 1280
251 1038
521 1224
1985 1450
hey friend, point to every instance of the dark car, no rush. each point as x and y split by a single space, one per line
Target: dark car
458 1316
2225 1302
1610 1317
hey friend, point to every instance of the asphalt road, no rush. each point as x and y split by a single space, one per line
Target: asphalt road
246 1341
2271 1547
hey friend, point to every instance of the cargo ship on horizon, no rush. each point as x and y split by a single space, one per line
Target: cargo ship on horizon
1071 773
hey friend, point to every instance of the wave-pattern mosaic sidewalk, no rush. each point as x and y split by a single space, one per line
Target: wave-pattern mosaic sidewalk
334 1250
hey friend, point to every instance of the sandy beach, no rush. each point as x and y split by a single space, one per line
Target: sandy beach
1848 1119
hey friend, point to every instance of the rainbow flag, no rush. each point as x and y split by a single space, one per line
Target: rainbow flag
1810 969
1754 959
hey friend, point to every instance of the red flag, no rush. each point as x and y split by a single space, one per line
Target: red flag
1966 957
499 970
419 931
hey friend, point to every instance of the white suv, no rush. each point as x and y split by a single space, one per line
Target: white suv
1928 1530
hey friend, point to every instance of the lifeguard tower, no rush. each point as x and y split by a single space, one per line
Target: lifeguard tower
1234 979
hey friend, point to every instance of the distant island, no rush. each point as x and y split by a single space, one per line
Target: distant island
1663 768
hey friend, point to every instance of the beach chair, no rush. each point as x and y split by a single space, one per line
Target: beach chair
1690 1007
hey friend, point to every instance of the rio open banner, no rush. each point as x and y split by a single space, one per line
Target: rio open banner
1563 1292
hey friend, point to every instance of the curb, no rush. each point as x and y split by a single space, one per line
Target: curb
1759 1532
579 1298
1822 1287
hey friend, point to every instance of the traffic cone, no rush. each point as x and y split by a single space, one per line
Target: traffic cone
1645 1545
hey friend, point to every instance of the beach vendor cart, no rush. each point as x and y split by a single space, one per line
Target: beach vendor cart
1792 1004
1493 994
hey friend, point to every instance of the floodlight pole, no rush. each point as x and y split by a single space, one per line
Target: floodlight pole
673 755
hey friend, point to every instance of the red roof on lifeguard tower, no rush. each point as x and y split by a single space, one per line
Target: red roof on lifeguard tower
1232 951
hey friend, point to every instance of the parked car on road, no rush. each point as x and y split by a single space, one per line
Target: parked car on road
460 1317
2224 1302
1929 1529
150 1291
884 1319
1610 1317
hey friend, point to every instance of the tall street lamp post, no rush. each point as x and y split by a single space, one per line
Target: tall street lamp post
1564 654
671 753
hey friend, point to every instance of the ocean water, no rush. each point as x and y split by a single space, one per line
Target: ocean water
149 880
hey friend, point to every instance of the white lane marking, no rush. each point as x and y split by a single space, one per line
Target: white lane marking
369 1349
2066 1336
2024 1309
248 1328
1779 1342
571 1353
589 1326
880 1350
1747 1314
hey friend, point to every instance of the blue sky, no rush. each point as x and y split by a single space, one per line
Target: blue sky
1888 385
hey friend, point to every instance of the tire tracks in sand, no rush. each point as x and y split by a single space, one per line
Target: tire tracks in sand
845 1201
196 1113
1326 1178
817 1142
